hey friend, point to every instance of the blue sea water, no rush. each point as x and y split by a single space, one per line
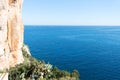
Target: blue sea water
93 50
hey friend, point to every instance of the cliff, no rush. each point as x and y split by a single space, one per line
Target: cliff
13 52
11 35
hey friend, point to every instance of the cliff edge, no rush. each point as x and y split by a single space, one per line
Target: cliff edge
14 57
11 35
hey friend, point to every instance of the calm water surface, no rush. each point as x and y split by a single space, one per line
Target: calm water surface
93 50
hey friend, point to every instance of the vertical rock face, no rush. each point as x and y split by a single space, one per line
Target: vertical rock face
11 33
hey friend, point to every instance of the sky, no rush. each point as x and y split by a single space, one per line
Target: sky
71 12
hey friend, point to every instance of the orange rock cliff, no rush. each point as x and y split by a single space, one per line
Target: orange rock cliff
11 34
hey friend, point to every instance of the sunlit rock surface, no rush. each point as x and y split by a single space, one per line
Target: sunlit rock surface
11 35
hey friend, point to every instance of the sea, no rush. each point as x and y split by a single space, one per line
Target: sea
92 50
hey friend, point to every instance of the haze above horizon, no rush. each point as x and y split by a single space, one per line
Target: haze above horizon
71 12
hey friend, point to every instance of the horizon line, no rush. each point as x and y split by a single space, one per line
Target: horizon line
66 25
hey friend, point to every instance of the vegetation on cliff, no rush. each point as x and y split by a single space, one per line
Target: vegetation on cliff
33 69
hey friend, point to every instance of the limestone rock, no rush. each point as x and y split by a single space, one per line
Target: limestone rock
11 34
26 49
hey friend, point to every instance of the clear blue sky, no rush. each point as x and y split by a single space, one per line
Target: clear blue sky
71 12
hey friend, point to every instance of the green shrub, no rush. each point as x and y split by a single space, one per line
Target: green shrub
39 70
